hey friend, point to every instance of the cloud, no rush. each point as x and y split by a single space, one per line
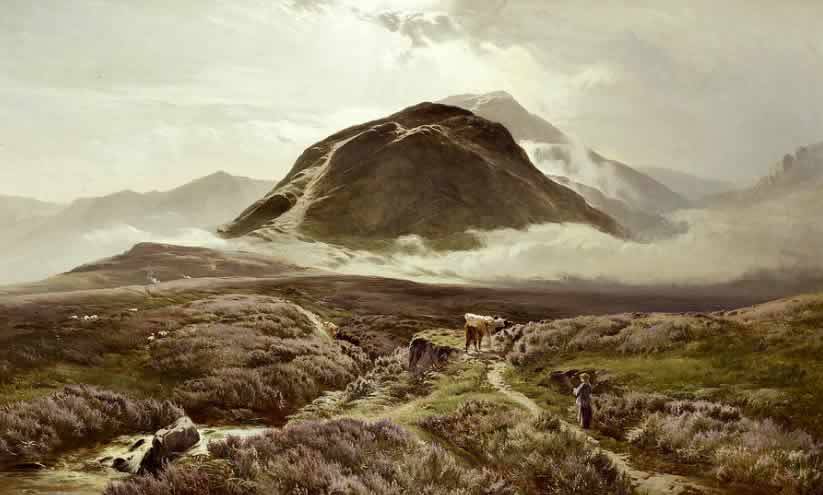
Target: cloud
784 236
721 89
43 261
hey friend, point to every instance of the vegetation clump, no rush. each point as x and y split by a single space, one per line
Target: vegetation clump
341 456
74 416
536 456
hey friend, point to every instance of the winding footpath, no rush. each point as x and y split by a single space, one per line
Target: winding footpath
650 483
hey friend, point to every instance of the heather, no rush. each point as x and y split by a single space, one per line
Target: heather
386 384
626 334
76 415
240 355
342 456
737 448
537 456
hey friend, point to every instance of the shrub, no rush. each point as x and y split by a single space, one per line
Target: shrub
342 456
254 353
536 457
757 452
75 415
626 333
387 382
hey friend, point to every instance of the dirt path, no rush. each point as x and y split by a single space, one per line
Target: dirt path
650 483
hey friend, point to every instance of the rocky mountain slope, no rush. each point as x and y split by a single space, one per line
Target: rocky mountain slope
430 170
556 154
687 185
645 227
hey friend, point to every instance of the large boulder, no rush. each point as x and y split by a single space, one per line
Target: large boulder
168 444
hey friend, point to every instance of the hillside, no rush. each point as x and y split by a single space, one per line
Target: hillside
387 397
687 185
796 172
555 154
16 212
645 227
430 170
205 203
90 228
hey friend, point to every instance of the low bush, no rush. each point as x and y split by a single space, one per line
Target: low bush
253 353
738 449
536 456
388 382
342 456
625 333
73 416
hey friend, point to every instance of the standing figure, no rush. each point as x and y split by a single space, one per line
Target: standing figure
583 393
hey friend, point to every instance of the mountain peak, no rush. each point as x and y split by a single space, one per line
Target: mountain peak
500 106
431 170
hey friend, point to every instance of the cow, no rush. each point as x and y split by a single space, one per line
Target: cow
478 326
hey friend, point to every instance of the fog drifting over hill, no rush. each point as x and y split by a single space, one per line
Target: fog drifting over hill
782 237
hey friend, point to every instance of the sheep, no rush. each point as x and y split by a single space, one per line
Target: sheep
163 334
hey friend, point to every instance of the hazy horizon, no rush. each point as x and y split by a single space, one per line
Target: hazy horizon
105 96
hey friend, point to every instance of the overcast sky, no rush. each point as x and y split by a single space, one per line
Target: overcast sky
103 95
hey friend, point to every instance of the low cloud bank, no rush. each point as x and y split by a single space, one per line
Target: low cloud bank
44 259
720 246
778 237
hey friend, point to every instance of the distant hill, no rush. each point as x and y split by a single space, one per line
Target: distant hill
630 192
795 172
430 170
205 203
16 211
644 226
90 228
687 185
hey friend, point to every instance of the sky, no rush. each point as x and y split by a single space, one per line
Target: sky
98 96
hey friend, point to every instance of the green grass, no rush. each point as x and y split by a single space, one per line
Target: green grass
729 368
443 337
126 373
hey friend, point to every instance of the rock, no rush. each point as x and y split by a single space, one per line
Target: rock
122 465
137 445
168 444
105 460
29 466
424 355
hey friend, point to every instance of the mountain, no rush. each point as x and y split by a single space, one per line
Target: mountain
556 154
687 185
163 263
645 227
204 203
89 228
16 210
430 170
795 172
500 106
